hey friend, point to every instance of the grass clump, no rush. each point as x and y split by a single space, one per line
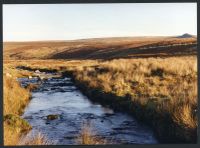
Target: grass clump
15 121
15 97
38 139
14 128
15 100
88 137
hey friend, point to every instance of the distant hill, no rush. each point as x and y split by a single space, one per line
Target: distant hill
102 48
186 35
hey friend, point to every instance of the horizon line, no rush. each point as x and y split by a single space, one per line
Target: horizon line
89 38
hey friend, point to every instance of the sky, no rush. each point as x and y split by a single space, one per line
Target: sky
36 22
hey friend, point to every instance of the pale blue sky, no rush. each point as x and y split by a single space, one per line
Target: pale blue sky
75 21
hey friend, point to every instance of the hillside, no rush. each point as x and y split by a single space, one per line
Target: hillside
186 35
101 48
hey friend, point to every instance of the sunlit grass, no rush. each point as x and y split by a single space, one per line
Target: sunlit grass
165 89
89 137
38 139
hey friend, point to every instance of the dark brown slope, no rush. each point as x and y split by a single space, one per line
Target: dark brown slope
105 48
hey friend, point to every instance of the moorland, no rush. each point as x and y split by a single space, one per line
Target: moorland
151 78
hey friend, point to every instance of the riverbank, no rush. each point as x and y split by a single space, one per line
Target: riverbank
154 91
15 99
166 130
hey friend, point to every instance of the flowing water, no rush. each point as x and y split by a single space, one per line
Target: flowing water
59 96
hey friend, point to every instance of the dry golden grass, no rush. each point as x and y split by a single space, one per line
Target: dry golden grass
184 115
146 77
15 99
167 86
88 137
38 139
11 137
14 127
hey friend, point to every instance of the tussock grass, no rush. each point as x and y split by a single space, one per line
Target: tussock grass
88 137
11 137
14 126
38 139
15 99
167 88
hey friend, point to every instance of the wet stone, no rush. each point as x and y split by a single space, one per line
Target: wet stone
52 117
70 137
28 117
118 128
108 114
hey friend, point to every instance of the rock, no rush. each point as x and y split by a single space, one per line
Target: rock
70 137
52 117
30 77
8 75
40 78
37 71
28 117
109 114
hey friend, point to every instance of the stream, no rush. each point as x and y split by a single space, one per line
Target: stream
59 96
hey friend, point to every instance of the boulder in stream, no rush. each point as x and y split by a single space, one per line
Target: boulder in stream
52 117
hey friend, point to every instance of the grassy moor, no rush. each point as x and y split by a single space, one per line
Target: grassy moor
153 79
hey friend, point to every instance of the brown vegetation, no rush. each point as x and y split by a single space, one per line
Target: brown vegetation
38 139
15 100
102 48
155 90
89 137
15 97
160 89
